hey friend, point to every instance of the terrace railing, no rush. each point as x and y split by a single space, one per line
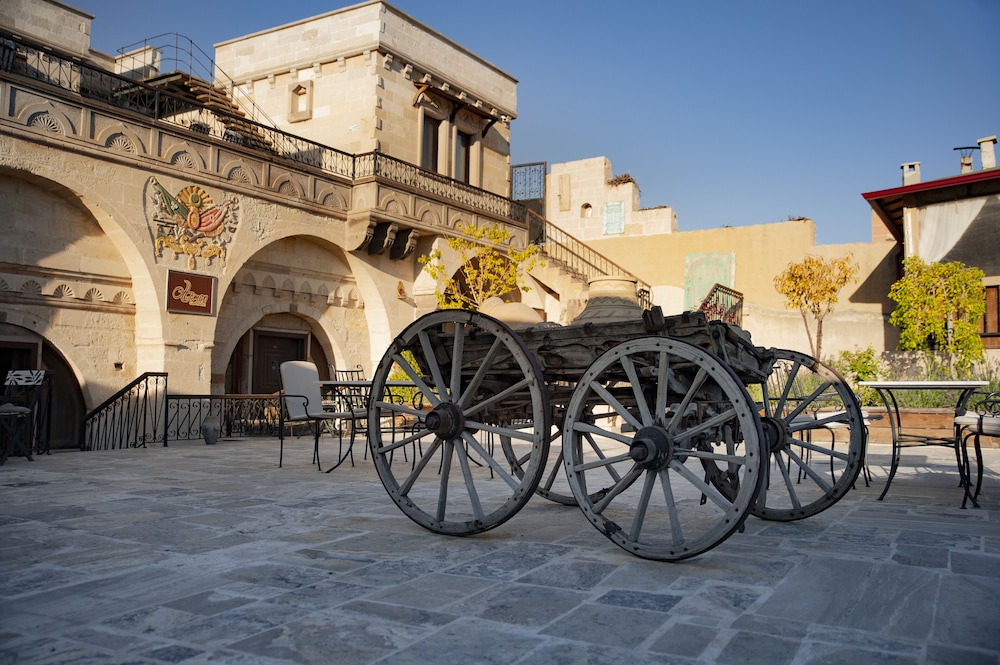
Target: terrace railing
723 304
133 417
579 259
238 415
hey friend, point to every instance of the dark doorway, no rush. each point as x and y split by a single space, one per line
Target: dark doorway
67 408
270 350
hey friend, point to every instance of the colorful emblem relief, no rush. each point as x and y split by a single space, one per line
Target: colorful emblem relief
191 224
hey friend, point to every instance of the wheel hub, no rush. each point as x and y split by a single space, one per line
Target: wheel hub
446 420
776 435
651 448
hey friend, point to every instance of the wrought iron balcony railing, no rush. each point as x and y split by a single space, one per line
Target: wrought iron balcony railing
723 304
579 259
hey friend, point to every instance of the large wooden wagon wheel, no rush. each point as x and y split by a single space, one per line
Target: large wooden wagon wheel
474 375
651 412
816 436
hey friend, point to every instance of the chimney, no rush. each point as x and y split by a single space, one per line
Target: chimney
987 152
966 153
911 173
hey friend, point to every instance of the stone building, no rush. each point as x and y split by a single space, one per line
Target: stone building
209 226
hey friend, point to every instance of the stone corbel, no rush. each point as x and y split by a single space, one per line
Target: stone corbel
383 238
387 62
406 242
360 231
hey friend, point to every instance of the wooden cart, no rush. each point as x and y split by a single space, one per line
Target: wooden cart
667 432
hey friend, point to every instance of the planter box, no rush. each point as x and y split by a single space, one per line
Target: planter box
933 422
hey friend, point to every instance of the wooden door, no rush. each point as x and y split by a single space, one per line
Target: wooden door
270 350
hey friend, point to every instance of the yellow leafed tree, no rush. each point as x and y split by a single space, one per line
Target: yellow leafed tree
813 287
485 271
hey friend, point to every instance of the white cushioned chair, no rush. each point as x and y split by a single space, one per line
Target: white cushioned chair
303 403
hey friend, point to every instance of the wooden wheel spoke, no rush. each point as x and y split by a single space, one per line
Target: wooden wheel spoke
470 485
676 532
442 503
787 480
615 405
488 459
588 428
499 397
481 372
407 484
808 470
457 358
617 489
640 511
412 375
431 359
702 486
640 399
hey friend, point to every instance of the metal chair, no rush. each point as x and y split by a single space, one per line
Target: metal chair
302 402
979 418
25 413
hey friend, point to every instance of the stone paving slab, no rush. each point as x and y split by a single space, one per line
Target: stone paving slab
195 554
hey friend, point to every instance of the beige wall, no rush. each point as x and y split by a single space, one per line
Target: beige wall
760 253
579 192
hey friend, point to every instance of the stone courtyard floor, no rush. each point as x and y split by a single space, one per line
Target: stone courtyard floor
212 554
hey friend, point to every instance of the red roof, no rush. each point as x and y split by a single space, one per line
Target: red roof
889 203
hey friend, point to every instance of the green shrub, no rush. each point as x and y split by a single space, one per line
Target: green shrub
860 365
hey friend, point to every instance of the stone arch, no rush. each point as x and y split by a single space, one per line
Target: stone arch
335 330
174 155
70 351
392 205
121 138
285 185
429 217
239 172
332 198
46 116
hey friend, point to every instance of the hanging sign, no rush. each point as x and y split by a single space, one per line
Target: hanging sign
190 294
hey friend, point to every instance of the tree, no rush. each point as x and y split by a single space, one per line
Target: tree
812 287
938 307
485 271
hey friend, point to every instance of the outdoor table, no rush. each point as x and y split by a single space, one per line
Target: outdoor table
887 391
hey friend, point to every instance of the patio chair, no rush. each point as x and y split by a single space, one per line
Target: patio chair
25 409
980 418
304 403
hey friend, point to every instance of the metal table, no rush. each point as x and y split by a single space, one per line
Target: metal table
887 392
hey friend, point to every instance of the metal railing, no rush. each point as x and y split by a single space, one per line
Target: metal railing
723 304
239 415
172 52
377 164
579 259
131 418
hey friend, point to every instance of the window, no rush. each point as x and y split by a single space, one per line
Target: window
300 101
614 218
989 327
429 146
463 157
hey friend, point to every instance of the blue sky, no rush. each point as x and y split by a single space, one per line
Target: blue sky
731 112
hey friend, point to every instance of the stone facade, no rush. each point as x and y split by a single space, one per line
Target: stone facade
363 79
317 259
585 199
